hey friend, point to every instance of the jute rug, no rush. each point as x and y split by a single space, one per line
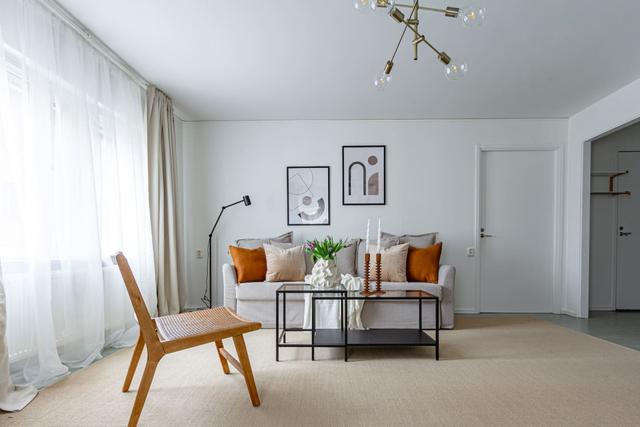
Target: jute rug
498 370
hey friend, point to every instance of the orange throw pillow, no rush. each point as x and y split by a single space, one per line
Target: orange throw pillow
423 263
251 264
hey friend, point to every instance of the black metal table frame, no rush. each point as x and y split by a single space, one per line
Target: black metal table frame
344 297
354 296
281 333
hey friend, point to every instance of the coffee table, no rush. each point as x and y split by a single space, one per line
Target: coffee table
301 288
349 339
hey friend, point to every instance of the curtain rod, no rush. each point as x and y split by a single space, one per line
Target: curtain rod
66 17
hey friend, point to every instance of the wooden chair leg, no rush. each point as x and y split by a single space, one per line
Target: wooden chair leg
143 390
135 357
223 361
241 350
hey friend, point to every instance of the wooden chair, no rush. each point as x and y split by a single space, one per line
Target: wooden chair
167 334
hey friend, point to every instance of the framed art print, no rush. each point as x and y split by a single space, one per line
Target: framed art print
308 195
364 175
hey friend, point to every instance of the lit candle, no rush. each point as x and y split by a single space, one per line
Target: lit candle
379 234
366 246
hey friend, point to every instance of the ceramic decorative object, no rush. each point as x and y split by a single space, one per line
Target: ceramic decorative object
325 270
324 274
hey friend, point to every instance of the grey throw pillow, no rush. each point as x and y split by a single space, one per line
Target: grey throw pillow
346 259
416 240
253 243
385 242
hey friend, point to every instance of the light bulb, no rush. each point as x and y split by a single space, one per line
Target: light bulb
456 70
361 5
473 16
381 82
382 7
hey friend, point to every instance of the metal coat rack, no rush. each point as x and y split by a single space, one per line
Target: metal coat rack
612 177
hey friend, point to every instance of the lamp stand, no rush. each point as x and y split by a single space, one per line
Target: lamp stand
208 300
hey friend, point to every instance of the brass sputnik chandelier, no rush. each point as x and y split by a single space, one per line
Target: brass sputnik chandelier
454 70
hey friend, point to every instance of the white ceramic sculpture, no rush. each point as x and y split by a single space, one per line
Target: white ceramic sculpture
324 274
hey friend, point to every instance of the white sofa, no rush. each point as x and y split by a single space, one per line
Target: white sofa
256 301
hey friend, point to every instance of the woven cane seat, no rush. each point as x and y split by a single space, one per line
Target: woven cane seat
203 322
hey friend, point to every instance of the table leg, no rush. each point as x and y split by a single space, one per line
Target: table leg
284 318
437 328
346 330
277 329
342 318
313 328
420 314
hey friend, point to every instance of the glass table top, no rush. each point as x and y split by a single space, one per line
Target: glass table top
305 287
398 294
395 294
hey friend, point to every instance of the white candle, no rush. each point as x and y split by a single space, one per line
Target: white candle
366 246
379 234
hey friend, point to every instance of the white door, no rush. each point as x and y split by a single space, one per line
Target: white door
517 209
628 251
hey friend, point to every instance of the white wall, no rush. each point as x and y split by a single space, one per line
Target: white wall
606 115
604 221
430 179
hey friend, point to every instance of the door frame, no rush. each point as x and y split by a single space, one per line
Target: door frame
558 220
614 247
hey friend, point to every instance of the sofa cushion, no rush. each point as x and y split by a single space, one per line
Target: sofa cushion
423 263
394 264
251 264
416 240
266 291
262 291
345 259
384 243
252 243
284 264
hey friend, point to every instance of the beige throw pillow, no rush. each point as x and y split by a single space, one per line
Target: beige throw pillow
384 243
284 263
394 264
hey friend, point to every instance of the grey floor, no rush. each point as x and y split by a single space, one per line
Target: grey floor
620 327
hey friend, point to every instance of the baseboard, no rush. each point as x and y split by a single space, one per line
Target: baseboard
465 311
602 309
569 312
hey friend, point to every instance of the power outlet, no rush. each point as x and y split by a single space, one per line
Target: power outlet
471 252
199 253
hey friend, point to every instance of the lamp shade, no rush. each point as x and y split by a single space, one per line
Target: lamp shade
247 200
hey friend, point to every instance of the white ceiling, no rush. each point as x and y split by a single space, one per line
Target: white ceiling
316 59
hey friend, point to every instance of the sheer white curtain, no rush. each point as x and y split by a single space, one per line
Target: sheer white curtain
73 190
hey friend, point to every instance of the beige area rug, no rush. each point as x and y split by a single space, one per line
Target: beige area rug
498 370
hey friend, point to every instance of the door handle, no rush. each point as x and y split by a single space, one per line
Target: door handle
483 235
625 233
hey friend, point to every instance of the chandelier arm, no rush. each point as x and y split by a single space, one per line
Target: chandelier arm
431 46
430 9
399 41
420 36
406 25
414 16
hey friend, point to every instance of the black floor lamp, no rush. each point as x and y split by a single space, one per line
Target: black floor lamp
209 299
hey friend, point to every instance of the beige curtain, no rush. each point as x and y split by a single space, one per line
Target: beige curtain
163 198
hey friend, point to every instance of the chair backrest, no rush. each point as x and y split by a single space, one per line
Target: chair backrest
147 326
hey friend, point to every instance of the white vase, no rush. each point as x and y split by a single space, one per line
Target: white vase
324 274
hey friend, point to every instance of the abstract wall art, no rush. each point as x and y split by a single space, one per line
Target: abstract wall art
364 175
308 201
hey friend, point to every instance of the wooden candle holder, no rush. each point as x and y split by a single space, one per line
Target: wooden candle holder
379 290
367 268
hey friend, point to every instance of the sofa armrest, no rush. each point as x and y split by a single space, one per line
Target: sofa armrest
446 279
230 282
